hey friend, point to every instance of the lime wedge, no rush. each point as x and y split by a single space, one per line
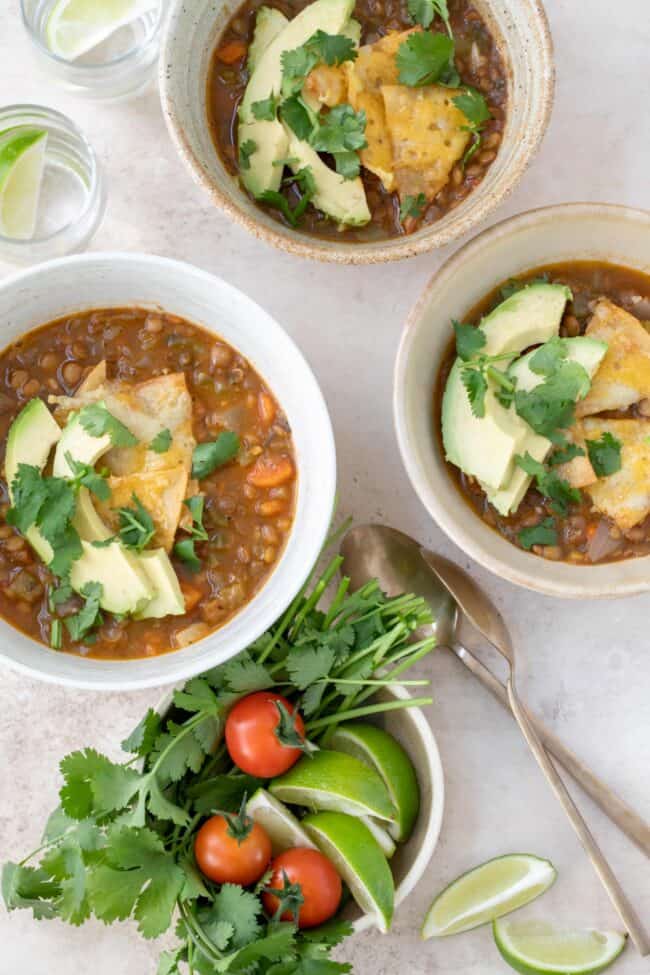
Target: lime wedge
357 856
383 837
22 160
378 749
332 780
539 948
283 828
486 892
74 27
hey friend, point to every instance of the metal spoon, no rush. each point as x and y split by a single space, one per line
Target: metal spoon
402 566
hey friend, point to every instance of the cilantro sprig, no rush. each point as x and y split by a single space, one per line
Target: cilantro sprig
605 454
544 533
550 484
136 525
478 368
412 206
475 109
49 503
423 12
208 456
184 549
425 58
97 421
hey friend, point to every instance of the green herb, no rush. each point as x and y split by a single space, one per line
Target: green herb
513 285
550 484
56 634
412 206
342 133
97 421
476 386
565 454
321 47
475 109
50 504
61 594
469 340
265 110
605 454
424 11
246 150
550 406
424 58
207 457
136 525
300 119
83 475
332 48
545 533
547 359
161 442
185 551
195 505
89 616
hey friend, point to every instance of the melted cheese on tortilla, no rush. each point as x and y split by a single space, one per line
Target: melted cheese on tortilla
624 496
623 377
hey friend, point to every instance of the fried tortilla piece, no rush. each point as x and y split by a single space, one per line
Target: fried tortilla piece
428 136
326 85
578 471
96 377
624 374
624 496
161 492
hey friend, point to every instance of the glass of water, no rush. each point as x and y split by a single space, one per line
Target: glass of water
96 55
70 196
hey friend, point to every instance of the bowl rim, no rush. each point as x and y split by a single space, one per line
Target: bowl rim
391 249
436 775
116 676
582 586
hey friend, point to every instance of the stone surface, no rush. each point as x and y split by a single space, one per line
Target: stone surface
588 666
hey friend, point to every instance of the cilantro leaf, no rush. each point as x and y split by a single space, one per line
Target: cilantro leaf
94 786
475 383
224 792
332 48
296 65
605 454
185 551
239 908
412 206
547 358
97 421
246 150
30 887
474 107
161 442
49 503
84 475
143 737
550 406
550 484
65 863
207 457
136 525
545 533
469 340
423 58
29 492
195 505
298 117
89 616
564 454
423 12
265 109
311 664
342 132
241 675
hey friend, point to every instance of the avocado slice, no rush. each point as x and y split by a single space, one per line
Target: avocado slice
268 24
168 599
270 138
342 199
588 352
485 447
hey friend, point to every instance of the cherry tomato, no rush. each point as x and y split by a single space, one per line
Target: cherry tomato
251 736
232 850
319 883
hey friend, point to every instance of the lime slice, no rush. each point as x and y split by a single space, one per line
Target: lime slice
378 749
332 780
22 160
284 829
357 856
485 893
539 948
383 837
74 27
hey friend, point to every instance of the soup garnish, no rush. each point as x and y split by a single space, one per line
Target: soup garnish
545 412
141 539
357 120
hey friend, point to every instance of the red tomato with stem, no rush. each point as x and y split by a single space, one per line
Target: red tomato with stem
265 735
232 849
308 882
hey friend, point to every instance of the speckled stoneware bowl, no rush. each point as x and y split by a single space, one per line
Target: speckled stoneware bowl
573 232
413 731
521 29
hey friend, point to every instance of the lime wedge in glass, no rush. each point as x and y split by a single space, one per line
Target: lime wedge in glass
377 748
74 27
539 948
332 780
22 161
487 892
285 831
357 856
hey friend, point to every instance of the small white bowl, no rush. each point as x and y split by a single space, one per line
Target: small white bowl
523 36
412 730
570 232
89 281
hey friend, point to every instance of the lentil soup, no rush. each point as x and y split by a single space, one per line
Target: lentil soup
596 525
480 68
234 512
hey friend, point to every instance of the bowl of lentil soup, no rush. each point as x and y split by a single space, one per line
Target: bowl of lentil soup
562 298
165 490
328 170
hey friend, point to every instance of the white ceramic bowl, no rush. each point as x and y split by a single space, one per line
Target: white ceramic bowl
412 730
590 232
89 281
522 32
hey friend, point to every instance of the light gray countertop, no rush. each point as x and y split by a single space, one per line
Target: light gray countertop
588 665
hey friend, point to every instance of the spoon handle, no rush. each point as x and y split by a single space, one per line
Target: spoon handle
605 798
619 899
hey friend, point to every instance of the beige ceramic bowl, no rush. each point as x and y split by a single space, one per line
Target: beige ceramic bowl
193 30
581 231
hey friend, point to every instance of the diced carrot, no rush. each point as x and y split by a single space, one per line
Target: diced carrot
191 595
266 408
268 472
269 508
231 52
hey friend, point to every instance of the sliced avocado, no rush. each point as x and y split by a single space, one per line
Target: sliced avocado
342 199
168 599
81 446
589 353
508 499
353 30
124 584
531 316
266 80
268 24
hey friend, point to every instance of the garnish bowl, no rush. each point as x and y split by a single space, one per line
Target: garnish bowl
525 42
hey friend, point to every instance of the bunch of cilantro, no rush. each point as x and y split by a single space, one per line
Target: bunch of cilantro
120 845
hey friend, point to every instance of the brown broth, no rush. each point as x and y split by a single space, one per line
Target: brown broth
247 525
588 280
227 83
